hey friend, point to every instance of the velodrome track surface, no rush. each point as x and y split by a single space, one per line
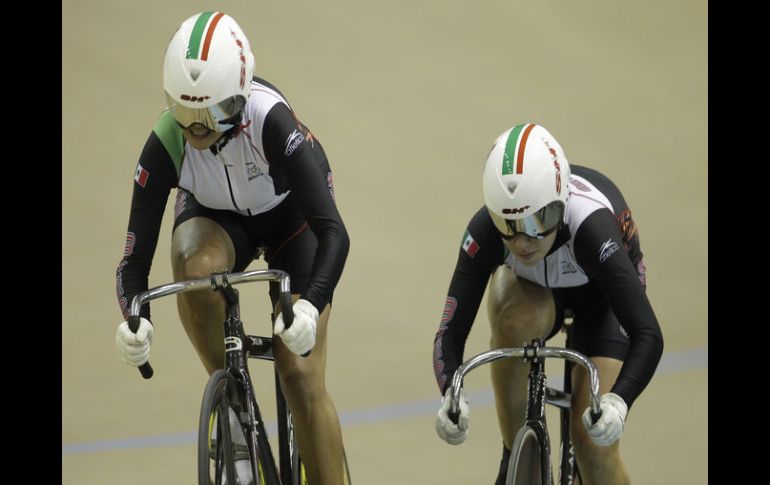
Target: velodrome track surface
406 98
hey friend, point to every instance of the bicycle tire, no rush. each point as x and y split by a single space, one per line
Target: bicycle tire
214 414
299 470
216 462
347 470
524 465
292 467
298 475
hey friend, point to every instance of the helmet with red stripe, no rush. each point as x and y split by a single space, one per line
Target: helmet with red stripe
525 182
207 71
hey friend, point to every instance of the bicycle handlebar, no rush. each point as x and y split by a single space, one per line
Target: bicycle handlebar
530 352
213 281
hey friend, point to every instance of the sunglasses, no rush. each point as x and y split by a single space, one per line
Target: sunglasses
219 117
538 225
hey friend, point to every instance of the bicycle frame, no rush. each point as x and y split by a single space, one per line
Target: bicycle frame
239 347
538 393
288 455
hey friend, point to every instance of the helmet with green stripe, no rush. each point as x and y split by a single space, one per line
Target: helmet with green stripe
525 182
207 72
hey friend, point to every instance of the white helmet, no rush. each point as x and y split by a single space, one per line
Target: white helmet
525 182
207 71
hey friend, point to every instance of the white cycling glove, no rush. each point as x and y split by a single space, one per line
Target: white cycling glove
300 336
454 434
609 427
134 348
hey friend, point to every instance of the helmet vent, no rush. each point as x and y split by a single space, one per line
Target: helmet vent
511 186
195 73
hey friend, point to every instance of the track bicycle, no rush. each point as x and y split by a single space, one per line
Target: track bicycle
230 390
530 460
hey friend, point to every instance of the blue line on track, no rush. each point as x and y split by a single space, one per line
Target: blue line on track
674 362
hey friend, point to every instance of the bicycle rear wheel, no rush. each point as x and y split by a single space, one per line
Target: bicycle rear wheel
298 467
220 455
298 476
524 466
295 475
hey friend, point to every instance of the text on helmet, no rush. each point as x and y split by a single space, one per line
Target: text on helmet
194 99
515 210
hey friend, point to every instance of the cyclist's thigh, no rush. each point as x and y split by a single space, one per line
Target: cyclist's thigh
215 238
519 308
596 331
296 257
292 248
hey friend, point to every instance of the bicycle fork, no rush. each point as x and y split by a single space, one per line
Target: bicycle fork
536 409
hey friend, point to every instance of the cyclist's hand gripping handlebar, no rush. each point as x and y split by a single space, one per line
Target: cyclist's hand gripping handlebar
133 325
288 313
301 339
452 417
609 428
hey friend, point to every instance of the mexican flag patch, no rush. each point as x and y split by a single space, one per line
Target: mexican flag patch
141 175
470 245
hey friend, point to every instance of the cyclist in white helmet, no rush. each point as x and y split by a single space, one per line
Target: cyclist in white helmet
248 175
552 237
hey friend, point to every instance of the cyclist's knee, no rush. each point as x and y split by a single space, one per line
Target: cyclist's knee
302 383
197 257
200 246
199 261
518 309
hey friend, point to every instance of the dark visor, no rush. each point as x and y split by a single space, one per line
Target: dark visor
537 225
219 117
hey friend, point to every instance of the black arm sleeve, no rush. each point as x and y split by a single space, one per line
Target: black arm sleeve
153 179
306 168
481 252
599 251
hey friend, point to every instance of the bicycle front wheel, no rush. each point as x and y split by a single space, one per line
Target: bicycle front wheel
221 454
524 466
215 445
